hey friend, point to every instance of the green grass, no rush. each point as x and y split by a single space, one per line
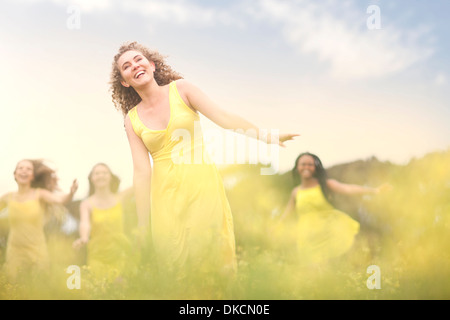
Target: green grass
408 239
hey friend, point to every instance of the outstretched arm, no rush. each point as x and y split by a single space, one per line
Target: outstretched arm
196 99
354 189
85 225
290 207
58 198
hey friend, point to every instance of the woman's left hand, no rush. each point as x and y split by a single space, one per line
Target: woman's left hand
74 187
281 138
386 187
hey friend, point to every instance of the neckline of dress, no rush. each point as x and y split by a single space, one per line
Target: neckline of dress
170 115
24 201
36 198
310 188
105 209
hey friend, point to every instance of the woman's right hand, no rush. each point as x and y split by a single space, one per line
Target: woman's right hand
386 187
141 234
79 243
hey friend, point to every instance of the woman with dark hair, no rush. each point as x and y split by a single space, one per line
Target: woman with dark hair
323 232
101 225
37 196
191 222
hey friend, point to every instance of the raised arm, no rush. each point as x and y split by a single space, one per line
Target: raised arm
58 198
199 101
354 189
142 173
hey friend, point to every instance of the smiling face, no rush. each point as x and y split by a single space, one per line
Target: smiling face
306 167
100 176
24 173
136 70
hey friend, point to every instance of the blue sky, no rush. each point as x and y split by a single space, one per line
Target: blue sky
310 67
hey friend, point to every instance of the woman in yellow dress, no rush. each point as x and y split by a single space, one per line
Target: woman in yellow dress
109 251
191 222
26 250
322 231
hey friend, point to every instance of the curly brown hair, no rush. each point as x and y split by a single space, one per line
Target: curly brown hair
44 176
125 98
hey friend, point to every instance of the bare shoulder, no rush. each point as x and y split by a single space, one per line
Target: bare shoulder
336 186
5 197
186 87
86 204
188 92
295 191
44 195
41 192
183 85
332 183
127 121
128 125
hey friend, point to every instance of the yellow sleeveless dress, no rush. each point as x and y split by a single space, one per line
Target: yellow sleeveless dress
26 249
191 221
323 231
109 251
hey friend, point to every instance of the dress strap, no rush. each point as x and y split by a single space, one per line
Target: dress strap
135 122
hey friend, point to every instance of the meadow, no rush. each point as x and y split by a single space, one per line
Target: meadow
404 232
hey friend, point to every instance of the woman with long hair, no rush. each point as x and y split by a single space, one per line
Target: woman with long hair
191 222
322 232
102 226
37 195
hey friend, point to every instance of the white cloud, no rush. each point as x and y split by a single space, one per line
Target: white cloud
183 12
87 5
84 5
178 12
338 38
441 79
335 32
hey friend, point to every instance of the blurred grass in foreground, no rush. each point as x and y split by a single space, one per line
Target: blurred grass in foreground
405 233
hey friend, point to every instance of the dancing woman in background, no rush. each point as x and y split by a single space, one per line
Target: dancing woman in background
191 221
26 249
322 232
102 227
